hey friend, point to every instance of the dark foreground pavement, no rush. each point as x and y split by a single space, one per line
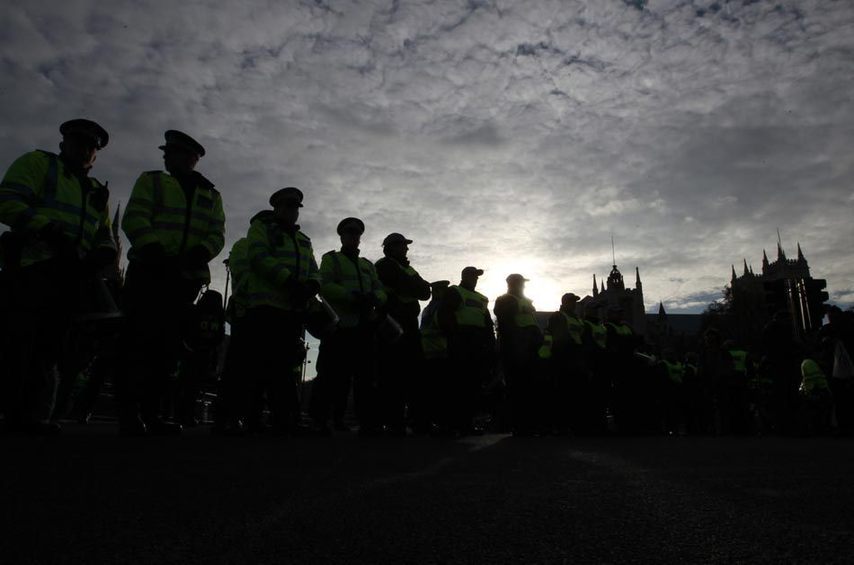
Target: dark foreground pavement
91 497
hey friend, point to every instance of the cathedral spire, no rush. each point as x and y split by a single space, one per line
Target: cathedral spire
602 286
801 258
637 278
781 256
595 287
661 312
764 262
746 270
734 277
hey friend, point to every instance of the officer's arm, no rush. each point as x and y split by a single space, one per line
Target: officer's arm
103 234
377 287
330 287
557 329
136 221
446 315
21 191
313 273
505 308
489 323
419 288
389 274
215 240
412 285
261 257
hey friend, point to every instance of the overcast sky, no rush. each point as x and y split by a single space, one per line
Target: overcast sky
513 136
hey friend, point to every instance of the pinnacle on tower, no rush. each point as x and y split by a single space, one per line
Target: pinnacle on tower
637 278
801 257
595 288
746 270
781 256
765 264
734 277
661 312
602 283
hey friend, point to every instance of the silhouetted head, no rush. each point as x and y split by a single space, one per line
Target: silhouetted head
568 302
351 230
181 152
396 246
469 276
438 289
286 203
81 140
516 284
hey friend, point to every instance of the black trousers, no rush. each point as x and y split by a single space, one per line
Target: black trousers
38 305
347 356
471 358
232 403
398 365
275 350
156 305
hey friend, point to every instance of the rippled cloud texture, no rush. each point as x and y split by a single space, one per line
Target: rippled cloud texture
514 136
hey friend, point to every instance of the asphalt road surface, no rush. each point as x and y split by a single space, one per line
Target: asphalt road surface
92 497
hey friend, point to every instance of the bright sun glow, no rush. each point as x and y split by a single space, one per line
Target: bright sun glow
545 292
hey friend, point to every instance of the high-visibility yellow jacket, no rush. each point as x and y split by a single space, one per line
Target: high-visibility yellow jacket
38 189
675 371
473 311
158 212
523 316
599 333
342 277
739 360
574 327
813 379
545 351
434 342
276 256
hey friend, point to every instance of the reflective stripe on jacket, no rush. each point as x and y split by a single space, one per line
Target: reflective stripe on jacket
38 190
545 351
473 310
599 333
813 379
574 327
275 258
525 315
341 277
158 212
238 265
434 343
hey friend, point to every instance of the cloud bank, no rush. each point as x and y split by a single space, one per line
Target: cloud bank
516 137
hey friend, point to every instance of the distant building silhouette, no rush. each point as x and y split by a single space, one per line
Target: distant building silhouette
679 332
616 294
783 285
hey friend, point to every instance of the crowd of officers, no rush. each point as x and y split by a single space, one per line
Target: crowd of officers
446 370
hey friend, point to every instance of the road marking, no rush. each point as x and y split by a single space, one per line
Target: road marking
475 443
